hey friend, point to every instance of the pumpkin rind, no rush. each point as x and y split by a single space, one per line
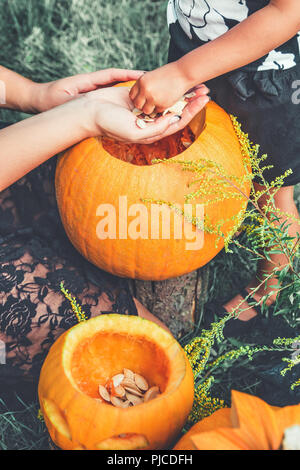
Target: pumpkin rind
75 419
221 418
250 424
88 176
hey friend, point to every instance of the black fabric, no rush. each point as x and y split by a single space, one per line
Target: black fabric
263 103
35 256
234 327
192 23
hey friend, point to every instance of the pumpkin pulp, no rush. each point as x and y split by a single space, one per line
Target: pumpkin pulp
142 154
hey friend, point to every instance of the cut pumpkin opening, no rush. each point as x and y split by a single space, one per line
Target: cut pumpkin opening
96 359
168 147
142 154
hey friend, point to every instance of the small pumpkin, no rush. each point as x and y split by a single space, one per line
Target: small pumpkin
87 356
250 424
88 177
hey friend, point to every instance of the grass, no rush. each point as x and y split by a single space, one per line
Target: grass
49 39
21 430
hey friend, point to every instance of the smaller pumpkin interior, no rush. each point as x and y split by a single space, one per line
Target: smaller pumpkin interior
168 147
100 357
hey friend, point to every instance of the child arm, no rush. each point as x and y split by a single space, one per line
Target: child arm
253 38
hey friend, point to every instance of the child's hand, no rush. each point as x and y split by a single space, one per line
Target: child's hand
110 114
48 95
160 89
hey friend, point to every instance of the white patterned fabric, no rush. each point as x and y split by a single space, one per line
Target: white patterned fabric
193 23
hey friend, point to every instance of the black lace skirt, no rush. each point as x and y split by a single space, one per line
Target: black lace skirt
35 257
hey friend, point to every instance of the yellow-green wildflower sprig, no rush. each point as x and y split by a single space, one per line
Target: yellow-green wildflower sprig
76 307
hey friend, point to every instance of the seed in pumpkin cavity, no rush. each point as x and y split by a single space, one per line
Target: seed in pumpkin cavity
117 379
152 393
141 382
120 391
135 400
129 383
133 390
119 403
104 393
128 374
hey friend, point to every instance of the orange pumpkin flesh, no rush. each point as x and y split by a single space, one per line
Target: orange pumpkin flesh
88 176
220 418
92 352
100 357
142 154
250 424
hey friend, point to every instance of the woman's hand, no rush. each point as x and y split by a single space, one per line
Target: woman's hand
106 112
45 96
110 114
161 88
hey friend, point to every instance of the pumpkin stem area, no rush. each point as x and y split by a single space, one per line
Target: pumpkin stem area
104 355
142 154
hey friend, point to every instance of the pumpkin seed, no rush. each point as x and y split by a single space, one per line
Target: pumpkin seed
104 393
118 379
127 389
186 144
177 108
134 399
120 391
128 374
141 382
119 403
129 383
141 124
152 393
190 95
133 391
137 111
148 118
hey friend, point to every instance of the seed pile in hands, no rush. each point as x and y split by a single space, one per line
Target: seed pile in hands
127 389
177 109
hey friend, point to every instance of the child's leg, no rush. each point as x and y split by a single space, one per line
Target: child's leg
284 201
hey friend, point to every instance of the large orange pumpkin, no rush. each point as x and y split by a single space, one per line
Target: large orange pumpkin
92 352
88 177
250 424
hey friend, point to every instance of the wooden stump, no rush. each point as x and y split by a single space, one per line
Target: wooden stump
176 302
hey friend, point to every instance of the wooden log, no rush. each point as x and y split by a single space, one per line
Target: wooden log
176 302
